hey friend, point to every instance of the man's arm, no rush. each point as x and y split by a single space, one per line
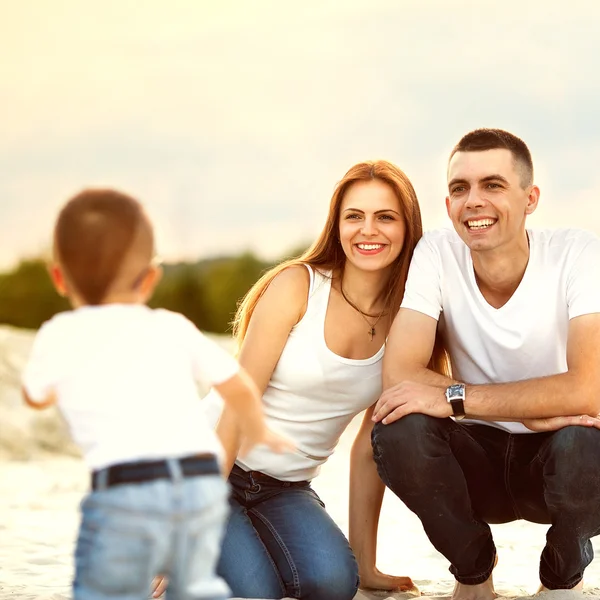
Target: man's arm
416 389
407 379
409 349
575 392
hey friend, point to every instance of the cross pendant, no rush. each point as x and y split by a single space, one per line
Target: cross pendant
372 332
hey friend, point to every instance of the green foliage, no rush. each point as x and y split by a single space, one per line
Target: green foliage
207 292
229 282
183 290
27 297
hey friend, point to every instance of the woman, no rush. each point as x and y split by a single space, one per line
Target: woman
311 334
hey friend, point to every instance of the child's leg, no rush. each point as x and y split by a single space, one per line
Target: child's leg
197 543
119 547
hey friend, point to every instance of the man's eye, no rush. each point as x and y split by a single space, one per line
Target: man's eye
458 189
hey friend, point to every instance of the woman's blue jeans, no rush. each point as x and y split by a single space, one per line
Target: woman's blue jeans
280 542
457 478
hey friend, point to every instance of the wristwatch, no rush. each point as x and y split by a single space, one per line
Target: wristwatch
455 394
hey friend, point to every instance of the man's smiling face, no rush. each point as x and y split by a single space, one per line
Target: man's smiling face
487 200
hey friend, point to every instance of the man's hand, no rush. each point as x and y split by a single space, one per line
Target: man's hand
410 397
555 423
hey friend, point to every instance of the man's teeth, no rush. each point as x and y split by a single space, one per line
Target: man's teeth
480 223
370 246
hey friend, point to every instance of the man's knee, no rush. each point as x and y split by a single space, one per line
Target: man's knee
571 462
400 449
404 433
576 448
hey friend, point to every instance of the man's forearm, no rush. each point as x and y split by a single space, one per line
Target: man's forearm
554 396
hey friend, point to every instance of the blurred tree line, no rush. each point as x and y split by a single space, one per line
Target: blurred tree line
207 291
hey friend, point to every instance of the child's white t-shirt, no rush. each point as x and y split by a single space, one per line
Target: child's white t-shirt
527 337
125 377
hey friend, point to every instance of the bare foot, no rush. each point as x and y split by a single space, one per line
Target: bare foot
481 591
577 588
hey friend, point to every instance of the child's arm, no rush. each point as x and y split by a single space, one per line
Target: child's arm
39 375
240 393
50 400
230 436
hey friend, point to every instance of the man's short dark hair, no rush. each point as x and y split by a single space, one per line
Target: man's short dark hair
479 140
95 234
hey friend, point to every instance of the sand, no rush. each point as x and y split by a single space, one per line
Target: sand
41 485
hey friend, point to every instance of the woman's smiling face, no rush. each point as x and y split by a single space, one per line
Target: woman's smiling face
371 225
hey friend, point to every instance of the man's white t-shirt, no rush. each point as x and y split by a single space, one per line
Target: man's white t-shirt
125 377
525 338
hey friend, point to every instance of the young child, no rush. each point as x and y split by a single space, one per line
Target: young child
124 376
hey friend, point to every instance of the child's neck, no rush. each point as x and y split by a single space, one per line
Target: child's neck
114 298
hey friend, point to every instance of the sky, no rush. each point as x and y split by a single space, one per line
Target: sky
232 120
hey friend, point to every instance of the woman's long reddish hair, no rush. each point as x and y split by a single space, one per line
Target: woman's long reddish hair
326 253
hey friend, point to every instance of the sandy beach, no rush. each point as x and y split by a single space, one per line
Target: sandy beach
42 482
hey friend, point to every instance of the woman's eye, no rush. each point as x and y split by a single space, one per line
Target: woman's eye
352 216
386 217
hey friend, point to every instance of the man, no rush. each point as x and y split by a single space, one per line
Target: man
519 312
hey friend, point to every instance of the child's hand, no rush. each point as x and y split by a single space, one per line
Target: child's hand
277 443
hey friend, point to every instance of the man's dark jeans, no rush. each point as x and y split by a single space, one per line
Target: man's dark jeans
457 478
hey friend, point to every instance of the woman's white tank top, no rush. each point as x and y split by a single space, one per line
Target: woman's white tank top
313 393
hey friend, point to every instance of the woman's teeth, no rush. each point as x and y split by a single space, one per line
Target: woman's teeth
370 246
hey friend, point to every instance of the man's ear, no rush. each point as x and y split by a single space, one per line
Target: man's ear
151 280
448 207
58 279
532 199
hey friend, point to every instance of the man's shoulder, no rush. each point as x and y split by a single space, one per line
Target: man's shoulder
562 240
445 244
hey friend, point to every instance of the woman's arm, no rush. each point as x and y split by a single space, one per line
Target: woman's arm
366 496
281 306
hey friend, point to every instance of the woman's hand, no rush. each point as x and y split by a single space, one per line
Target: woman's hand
376 580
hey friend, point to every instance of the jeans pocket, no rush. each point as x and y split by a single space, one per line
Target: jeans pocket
113 559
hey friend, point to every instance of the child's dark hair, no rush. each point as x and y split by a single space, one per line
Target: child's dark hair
97 232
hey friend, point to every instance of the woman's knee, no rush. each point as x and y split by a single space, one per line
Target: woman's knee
331 580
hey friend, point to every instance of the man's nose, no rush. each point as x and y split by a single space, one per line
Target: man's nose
474 199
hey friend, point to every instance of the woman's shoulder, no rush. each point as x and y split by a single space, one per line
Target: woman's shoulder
295 278
289 288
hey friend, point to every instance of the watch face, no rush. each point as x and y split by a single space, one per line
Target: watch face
456 390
